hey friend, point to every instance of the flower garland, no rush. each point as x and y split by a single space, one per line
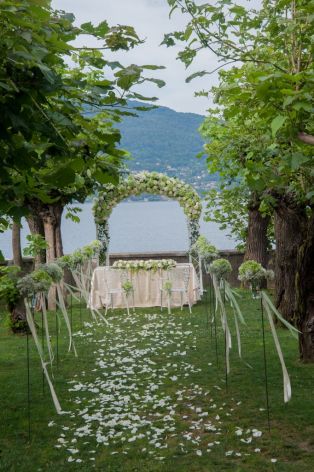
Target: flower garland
150 265
146 182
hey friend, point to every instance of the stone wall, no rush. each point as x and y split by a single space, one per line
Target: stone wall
234 257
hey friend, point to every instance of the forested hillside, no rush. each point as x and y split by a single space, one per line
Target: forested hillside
167 141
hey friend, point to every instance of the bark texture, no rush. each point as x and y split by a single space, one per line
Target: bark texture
16 244
46 220
290 224
257 241
36 226
305 293
18 317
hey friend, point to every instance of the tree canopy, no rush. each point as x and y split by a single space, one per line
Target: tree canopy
50 146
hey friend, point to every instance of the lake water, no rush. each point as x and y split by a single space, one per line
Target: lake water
134 227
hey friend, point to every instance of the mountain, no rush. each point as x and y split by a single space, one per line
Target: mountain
167 141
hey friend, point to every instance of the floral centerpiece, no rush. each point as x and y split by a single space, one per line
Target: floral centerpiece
149 265
220 268
254 273
204 249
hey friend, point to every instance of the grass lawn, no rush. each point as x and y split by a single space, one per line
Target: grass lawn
146 394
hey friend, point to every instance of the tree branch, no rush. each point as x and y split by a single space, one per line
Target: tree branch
306 138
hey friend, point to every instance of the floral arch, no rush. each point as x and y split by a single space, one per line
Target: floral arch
145 182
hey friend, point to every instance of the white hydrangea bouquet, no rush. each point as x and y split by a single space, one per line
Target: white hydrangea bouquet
254 274
204 249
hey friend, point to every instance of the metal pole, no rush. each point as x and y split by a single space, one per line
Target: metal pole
81 309
71 312
28 389
265 367
206 307
57 338
215 321
42 345
224 302
209 305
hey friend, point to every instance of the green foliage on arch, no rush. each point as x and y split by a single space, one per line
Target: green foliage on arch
146 182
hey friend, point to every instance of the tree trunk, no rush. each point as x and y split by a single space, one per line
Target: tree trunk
51 216
16 244
58 210
36 226
18 317
46 220
305 293
257 241
49 228
290 223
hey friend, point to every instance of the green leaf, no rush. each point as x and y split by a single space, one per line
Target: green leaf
62 177
5 86
158 82
277 123
297 159
88 27
196 74
105 177
152 67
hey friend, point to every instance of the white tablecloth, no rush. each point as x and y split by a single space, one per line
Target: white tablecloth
146 286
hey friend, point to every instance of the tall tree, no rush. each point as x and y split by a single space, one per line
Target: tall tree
229 150
52 151
57 135
270 53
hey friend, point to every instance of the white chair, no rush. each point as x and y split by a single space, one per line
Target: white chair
118 287
176 281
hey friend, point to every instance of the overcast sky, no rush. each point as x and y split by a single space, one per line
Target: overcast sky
150 19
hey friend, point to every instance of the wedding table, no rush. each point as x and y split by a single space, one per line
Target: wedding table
146 285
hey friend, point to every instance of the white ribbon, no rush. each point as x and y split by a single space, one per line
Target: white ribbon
224 320
42 302
286 378
66 317
32 327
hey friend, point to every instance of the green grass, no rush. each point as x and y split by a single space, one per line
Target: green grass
154 353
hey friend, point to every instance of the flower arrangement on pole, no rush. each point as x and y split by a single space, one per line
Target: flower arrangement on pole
254 273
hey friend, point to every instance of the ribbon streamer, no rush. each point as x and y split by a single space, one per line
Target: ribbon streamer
286 378
64 312
42 302
32 327
224 320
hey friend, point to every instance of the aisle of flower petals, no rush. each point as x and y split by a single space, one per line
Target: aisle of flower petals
145 396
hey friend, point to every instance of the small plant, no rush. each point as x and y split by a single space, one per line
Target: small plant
8 284
168 286
127 287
